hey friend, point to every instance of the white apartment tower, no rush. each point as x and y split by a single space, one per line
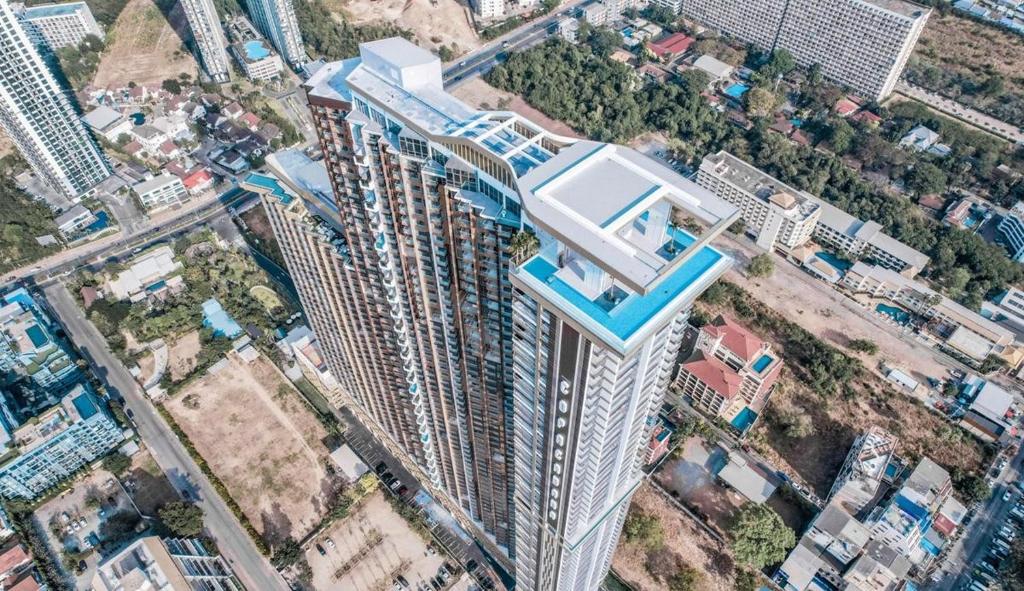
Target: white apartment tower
504 304
59 25
863 44
208 37
276 21
37 114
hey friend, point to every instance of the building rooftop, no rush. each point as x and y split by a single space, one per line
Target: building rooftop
77 405
716 68
735 337
747 479
870 232
102 118
992 401
908 9
50 10
143 271
795 204
156 182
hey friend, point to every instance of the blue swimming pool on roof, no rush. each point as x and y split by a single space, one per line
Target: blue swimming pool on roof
762 363
37 336
269 183
255 49
635 310
743 419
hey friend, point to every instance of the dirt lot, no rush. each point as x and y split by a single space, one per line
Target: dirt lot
433 23
482 95
961 45
143 47
148 485
688 540
182 355
262 441
376 544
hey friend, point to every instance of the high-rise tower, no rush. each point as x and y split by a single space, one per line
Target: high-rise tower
208 37
506 304
276 20
37 114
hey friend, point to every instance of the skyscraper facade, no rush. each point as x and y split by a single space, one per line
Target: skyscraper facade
276 20
37 114
208 37
505 303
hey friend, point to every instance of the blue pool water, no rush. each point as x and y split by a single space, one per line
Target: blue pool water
269 183
137 118
834 261
762 363
743 420
627 32
737 90
796 122
255 50
898 314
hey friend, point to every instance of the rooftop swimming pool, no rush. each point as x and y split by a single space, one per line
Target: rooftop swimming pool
270 184
762 363
737 90
255 50
743 419
900 315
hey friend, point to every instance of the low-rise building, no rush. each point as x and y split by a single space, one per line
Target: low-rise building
74 220
161 191
167 564
568 28
57 443
257 60
716 70
777 215
956 326
28 346
671 46
864 471
149 137
1007 306
107 123
59 25
657 445
730 374
1011 230
149 269
905 523
987 414
865 240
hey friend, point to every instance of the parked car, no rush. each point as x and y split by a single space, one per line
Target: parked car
321 550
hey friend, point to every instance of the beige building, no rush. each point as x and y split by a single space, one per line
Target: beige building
863 44
169 564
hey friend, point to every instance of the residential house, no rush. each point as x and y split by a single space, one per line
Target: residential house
107 123
168 150
233 111
670 47
147 270
730 374
160 191
250 120
716 70
74 220
149 137
923 139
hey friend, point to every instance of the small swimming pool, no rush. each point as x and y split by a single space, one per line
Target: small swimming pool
255 50
743 420
137 118
762 363
900 315
834 261
737 90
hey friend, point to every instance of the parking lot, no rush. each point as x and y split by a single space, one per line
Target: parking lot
984 573
75 521
370 549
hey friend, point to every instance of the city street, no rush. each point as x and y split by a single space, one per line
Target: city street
966 114
236 546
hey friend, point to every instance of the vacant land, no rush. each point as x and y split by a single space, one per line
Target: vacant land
148 485
371 546
480 94
433 23
144 46
260 439
690 542
183 354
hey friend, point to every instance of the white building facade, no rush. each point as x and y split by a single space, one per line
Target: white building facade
37 114
161 191
276 20
208 37
60 25
1011 229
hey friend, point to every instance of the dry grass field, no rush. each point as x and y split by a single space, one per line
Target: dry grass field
182 355
691 543
962 45
145 47
433 23
262 441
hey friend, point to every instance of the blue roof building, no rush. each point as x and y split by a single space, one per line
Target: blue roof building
215 317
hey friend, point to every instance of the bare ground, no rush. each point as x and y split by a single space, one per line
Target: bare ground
690 542
262 441
482 95
182 355
442 22
144 46
151 488
959 44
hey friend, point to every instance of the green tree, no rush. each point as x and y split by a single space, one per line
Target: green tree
171 85
925 178
183 519
287 553
687 579
841 136
864 346
116 463
1011 570
761 265
760 102
644 529
759 536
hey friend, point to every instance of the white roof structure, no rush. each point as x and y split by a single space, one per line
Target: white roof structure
747 480
920 138
145 270
349 463
715 68
992 402
102 117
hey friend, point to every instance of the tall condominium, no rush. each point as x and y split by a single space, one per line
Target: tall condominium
59 25
504 303
863 44
276 20
37 114
208 37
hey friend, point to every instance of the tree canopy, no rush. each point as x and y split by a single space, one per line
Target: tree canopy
183 519
759 536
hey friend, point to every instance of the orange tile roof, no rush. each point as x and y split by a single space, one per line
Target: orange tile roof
735 337
715 374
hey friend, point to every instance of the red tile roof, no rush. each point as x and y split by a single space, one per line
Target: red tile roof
867 117
845 107
196 178
133 147
671 46
13 557
26 583
250 120
168 147
736 338
715 374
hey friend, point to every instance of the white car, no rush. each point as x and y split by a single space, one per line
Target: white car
1007 496
329 542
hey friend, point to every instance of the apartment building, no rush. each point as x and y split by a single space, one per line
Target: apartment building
865 240
28 347
257 60
522 397
1011 230
160 191
904 522
956 326
863 44
38 116
209 38
59 25
864 470
57 443
1007 306
168 564
777 215
276 20
730 374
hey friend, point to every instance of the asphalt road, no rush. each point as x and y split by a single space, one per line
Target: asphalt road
252 569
